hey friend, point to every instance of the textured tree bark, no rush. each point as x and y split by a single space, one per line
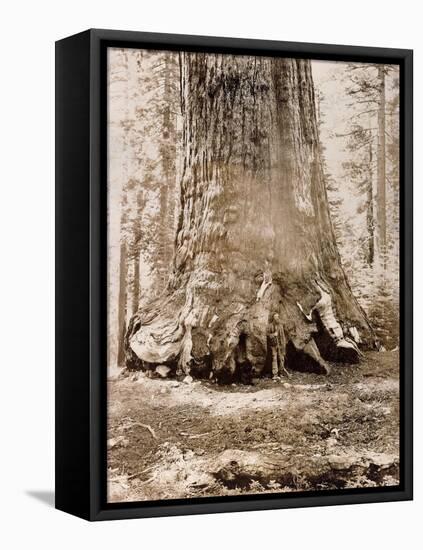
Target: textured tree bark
254 235
381 166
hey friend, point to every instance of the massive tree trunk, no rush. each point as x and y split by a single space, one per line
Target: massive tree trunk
254 236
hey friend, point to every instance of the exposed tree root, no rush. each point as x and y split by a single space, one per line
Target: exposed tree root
230 341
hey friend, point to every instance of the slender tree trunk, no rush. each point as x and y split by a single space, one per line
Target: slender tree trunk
254 236
122 304
123 261
140 203
370 210
136 287
136 279
381 166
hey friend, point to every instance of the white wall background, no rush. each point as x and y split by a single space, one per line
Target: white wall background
29 29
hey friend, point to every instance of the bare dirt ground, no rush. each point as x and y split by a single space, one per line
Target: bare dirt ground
168 439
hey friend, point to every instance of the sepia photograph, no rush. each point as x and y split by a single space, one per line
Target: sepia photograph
253 275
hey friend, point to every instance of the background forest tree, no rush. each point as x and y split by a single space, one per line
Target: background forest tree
359 106
144 113
359 150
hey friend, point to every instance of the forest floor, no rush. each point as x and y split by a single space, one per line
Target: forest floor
168 439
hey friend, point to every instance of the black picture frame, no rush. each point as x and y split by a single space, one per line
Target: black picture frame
81 273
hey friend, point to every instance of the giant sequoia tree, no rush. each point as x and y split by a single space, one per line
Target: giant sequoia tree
254 236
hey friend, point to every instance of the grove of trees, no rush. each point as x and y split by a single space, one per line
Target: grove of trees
364 186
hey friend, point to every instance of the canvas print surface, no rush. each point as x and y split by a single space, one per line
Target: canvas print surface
253 275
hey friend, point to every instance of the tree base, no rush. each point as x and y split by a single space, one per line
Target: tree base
230 342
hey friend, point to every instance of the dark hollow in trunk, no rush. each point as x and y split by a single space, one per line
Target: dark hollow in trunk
254 236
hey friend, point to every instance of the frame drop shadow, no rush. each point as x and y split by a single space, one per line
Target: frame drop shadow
46 497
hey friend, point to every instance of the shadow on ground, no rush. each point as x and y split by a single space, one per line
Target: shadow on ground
46 497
